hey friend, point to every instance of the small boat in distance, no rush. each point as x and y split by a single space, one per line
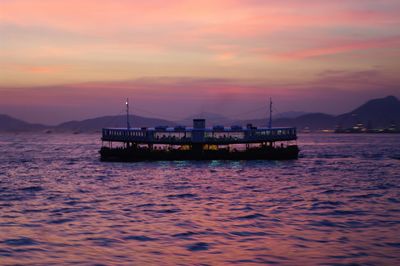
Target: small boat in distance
199 142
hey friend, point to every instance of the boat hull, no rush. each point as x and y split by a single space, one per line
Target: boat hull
135 155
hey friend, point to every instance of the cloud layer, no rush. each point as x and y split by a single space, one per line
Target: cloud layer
251 45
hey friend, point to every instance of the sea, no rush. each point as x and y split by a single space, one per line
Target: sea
338 204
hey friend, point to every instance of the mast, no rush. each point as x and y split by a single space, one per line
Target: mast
270 113
128 126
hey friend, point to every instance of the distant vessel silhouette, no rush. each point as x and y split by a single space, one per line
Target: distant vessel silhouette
199 142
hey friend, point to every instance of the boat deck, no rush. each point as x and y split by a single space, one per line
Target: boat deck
191 135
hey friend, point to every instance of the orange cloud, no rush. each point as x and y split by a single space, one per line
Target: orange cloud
44 69
36 69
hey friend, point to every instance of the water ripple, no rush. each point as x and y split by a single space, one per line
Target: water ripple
337 205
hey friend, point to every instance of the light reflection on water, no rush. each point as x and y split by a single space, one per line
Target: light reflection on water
338 204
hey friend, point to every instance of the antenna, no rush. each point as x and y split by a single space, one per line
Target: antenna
270 112
128 126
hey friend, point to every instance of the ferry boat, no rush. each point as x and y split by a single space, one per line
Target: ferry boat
163 143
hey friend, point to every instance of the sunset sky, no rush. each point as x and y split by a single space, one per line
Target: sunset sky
63 60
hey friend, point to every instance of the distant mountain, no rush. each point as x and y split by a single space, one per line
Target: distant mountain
290 114
10 124
377 113
313 121
216 119
96 124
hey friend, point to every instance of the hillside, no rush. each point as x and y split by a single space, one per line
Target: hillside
377 113
313 121
10 124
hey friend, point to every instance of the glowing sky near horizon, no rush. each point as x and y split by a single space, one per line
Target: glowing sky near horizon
75 59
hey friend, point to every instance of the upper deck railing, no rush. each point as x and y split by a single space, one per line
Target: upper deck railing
189 135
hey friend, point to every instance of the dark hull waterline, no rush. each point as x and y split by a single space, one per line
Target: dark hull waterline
134 155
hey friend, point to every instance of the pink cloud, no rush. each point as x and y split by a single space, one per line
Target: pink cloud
157 26
226 17
343 48
215 38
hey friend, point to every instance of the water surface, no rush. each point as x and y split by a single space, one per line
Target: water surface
338 204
